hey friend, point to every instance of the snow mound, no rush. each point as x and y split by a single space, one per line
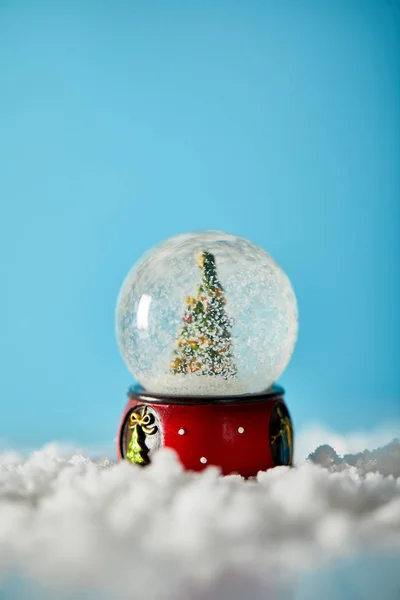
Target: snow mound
120 531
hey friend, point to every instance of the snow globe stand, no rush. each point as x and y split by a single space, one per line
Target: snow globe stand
242 434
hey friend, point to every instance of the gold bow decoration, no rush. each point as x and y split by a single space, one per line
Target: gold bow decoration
285 429
143 420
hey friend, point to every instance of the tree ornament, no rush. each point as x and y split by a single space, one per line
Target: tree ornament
200 260
191 301
194 365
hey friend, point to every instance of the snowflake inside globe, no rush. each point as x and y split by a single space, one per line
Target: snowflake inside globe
206 314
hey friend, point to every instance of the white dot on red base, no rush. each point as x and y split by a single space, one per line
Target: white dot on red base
203 460
181 432
241 429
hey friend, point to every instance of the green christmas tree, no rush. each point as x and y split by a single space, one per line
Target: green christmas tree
140 423
204 343
137 449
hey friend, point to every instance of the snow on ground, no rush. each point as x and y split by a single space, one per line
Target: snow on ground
82 528
314 435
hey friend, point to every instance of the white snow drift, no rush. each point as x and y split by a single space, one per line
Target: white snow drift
119 531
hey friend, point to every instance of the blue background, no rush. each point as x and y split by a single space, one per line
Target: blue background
123 123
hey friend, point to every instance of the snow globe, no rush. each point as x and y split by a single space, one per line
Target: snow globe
206 323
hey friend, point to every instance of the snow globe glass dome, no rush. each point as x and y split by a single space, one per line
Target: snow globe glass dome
206 314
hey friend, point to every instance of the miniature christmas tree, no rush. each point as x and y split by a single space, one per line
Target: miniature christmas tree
139 423
204 340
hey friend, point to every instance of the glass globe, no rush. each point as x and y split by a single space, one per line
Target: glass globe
206 314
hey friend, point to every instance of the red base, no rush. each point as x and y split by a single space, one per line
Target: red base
239 435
